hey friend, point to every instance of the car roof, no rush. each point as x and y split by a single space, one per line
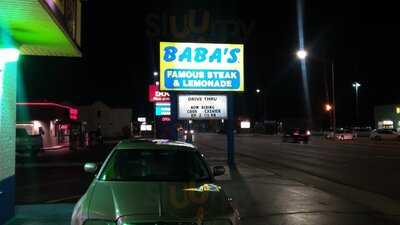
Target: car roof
154 144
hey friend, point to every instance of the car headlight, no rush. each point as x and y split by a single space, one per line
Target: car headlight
99 222
217 222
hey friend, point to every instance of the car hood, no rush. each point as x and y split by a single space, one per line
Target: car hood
158 199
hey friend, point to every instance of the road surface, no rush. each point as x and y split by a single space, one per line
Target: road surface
367 165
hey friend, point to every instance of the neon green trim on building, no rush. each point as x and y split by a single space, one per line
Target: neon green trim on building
34 29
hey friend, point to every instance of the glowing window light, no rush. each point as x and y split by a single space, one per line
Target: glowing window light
387 122
145 127
245 125
141 119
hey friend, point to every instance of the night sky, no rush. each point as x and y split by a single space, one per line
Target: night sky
121 51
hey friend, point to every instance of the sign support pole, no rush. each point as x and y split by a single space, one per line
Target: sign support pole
155 121
174 115
230 136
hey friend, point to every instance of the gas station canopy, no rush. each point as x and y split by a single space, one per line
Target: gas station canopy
41 27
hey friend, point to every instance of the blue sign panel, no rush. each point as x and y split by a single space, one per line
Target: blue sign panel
163 109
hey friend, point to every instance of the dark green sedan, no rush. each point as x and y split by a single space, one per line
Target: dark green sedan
154 182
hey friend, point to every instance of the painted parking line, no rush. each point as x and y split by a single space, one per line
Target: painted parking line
296 144
42 185
47 165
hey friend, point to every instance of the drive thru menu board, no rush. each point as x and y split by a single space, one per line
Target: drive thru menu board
202 107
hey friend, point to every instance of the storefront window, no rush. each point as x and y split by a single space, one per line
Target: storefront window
387 124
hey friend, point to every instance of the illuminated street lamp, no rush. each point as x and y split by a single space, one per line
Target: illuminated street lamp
301 54
356 85
328 107
155 73
261 96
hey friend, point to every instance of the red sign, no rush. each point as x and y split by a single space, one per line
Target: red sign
165 119
157 96
73 114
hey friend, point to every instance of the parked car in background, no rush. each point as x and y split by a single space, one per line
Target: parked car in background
186 135
346 134
362 131
189 136
27 144
341 134
296 135
384 134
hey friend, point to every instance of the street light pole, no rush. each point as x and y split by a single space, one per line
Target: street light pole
302 54
155 75
261 96
356 85
328 109
333 99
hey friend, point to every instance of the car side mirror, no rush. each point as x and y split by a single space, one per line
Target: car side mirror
90 167
218 170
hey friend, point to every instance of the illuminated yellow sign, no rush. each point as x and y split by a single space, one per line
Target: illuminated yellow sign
398 110
201 67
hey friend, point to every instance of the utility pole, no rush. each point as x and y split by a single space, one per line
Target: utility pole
333 99
356 85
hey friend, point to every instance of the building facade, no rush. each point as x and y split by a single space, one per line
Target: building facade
7 140
112 122
28 27
53 121
387 116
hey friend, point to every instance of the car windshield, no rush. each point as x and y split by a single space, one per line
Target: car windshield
155 165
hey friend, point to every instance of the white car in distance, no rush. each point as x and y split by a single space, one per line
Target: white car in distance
384 134
341 134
